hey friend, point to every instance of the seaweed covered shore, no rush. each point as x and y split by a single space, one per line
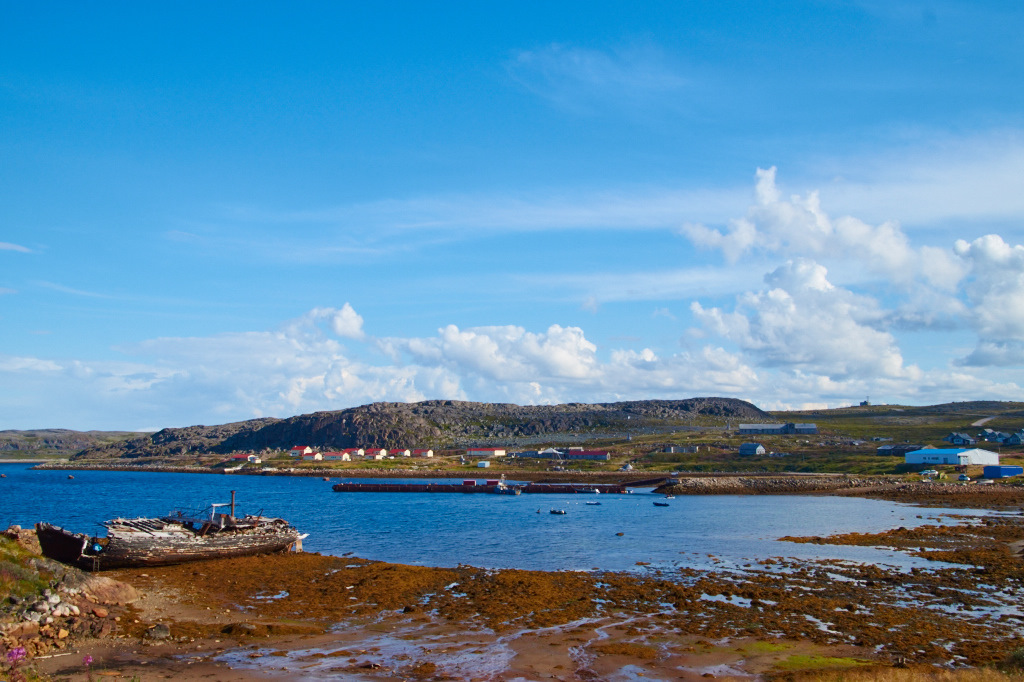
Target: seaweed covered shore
331 616
778 617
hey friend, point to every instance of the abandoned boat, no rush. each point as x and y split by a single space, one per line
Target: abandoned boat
173 539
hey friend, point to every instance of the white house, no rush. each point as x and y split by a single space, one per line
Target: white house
955 456
485 452
752 449
300 450
354 452
422 453
375 453
401 452
312 457
338 456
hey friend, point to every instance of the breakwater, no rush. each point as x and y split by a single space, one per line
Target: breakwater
762 485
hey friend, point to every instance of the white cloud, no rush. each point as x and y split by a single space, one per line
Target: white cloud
7 246
804 322
970 179
995 294
581 79
803 340
800 227
347 323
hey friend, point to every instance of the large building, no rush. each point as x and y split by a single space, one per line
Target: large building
955 456
777 429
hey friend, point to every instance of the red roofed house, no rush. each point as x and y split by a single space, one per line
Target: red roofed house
422 453
300 450
338 456
485 452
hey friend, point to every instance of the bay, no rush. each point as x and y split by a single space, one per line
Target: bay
718 532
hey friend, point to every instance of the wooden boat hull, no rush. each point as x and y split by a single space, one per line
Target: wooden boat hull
173 544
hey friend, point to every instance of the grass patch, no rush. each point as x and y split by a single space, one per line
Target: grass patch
814 662
764 647
17 578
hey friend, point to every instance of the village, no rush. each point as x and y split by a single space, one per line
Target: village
962 459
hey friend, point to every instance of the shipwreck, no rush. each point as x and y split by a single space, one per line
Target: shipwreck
179 537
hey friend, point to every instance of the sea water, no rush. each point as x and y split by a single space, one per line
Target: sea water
624 532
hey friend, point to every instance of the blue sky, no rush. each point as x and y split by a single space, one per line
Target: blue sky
216 211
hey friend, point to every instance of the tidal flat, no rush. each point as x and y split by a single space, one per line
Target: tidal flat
310 616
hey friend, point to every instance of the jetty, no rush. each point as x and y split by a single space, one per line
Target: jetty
490 486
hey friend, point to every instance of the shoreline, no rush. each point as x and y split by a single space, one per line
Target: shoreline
899 489
266 617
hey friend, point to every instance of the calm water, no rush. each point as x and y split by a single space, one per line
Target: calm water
491 531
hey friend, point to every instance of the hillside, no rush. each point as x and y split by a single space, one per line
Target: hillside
51 443
436 424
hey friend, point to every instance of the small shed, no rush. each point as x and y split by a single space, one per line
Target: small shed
483 464
752 449
1002 471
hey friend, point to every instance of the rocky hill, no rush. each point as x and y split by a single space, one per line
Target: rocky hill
55 442
433 423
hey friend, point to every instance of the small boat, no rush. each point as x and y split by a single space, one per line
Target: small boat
557 511
70 476
176 538
661 504
670 497
593 504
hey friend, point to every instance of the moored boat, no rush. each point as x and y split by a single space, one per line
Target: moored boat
173 539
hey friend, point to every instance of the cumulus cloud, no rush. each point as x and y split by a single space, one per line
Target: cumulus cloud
835 340
802 321
995 294
798 226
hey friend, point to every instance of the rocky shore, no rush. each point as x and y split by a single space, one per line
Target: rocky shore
763 485
266 617
73 606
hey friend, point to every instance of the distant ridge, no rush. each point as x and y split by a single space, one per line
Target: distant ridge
432 423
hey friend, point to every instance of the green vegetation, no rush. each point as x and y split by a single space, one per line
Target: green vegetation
813 662
17 577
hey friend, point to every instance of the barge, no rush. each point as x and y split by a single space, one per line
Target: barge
490 486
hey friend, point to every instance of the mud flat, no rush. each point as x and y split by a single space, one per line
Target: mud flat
260 617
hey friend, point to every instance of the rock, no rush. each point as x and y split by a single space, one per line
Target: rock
158 631
100 612
62 634
108 591
24 629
